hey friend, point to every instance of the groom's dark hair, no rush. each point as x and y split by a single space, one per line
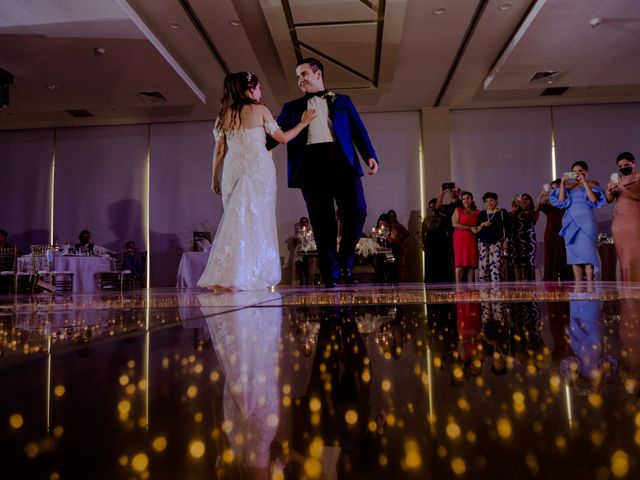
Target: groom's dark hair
314 63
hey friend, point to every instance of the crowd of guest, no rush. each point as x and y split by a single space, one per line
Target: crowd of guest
464 243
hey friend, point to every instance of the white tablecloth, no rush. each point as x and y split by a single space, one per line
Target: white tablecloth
192 264
85 269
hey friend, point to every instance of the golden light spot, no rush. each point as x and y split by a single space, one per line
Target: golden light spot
531 462
142 422
316 447
59 390
471 436
561 442
286 401
637 419
383 460
16 421
463 404
595 400
432 418
504 428
192 391
123 460
413 460
453 431
537 427
313 467
597 437
131 364
239 439
228 456
58 431
54 476
130 389
286 389
192 358
273 420
437 362
620 463
214 376
198 368
197 449
159 444
372 426
31 449
351 417
554 383
140 462
386 385
124 407
315 404
366 376
637 437
458 466
531 369
458 373
198 417
227 426
518 397
165 363
391 419
315 419
124 380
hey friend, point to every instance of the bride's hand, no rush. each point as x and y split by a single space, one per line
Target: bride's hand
216 186
307 117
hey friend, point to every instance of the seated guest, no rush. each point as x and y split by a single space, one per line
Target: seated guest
132 260
84 244
398 233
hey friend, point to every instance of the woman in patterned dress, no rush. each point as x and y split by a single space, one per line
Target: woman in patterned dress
493 231
523 237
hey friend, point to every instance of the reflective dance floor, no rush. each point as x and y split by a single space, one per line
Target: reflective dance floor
368 382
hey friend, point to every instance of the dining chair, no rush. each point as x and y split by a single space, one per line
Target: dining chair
44 275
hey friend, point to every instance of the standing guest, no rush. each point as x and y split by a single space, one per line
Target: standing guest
626 216
436 243
398 233
493 236
579 196
465 249
323 162
555 255
449 191
523 238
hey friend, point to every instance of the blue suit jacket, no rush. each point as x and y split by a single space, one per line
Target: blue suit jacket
348 128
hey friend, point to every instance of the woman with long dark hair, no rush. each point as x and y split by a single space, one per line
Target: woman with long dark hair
523 237
579 196
244 254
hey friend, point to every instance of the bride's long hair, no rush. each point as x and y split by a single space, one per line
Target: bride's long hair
234 97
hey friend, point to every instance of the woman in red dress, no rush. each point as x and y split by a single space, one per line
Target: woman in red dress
465 247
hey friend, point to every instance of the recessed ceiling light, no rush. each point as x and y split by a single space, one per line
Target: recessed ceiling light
504 6
53 87
175 26
439 11
235 23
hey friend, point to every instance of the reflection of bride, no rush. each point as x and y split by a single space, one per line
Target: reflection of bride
246 341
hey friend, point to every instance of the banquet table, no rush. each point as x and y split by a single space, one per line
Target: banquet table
192 265
84 268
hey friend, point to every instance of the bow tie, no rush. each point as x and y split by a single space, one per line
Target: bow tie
320 94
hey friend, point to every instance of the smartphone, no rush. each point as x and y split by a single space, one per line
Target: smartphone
546 187
615 177
571 174
448 185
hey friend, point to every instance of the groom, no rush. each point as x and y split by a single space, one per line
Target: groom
322 161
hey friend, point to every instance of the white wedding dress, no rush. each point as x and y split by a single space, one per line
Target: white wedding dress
245 254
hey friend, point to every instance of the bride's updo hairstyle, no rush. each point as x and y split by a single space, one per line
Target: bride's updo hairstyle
234 97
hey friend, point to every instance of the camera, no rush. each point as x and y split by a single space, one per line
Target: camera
448 185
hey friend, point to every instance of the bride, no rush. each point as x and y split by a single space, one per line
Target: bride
245 254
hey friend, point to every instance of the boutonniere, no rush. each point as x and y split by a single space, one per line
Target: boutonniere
331 96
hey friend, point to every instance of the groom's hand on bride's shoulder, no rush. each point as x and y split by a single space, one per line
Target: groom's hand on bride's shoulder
373 166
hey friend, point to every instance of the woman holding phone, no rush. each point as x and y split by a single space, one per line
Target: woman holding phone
624 188
579 196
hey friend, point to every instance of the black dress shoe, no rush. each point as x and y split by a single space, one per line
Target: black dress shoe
348 278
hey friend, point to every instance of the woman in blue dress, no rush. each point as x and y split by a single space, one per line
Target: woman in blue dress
579 196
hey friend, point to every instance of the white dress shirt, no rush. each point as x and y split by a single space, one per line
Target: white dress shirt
321 127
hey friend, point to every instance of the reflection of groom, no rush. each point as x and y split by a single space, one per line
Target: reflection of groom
323 162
